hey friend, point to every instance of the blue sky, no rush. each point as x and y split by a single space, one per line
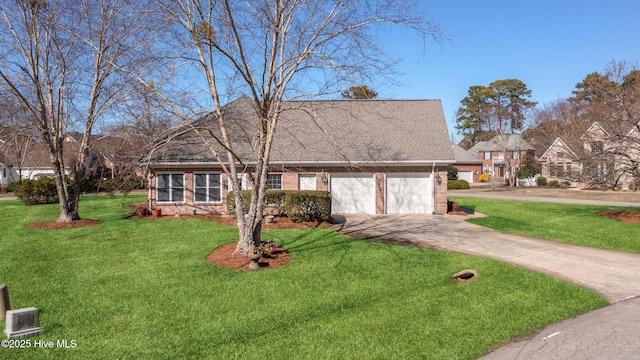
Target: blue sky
549 45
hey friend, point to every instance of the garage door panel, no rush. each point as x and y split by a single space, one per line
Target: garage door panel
409 193
465 175
353 194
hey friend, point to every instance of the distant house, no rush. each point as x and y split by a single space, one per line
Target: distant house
468 164
374 156
559 162
28 159
110 156
502 154
601 156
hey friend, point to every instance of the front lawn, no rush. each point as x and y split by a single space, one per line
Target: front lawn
142 289
575 224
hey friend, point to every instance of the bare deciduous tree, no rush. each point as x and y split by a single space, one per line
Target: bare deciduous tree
276 51
611 98
64 61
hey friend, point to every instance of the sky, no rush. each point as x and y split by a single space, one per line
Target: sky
549 45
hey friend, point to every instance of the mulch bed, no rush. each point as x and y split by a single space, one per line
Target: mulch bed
623 216
225 256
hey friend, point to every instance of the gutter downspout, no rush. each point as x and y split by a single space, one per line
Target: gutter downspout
433 188
149 193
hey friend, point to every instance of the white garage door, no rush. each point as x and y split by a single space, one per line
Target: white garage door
353 194
465 175
409 194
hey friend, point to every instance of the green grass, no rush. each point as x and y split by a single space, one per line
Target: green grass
143 289
574 224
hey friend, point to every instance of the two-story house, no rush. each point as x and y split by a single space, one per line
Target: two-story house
502 155
601 156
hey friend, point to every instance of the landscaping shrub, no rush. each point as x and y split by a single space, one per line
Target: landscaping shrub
554 183
484 177
308 205
276 199
452 172
126 185
42 191
566 183
457 184
273 199
541 181
231 203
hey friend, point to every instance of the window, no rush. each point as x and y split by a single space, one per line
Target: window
274 181
516 155
597 147
242 183
207 187
170 187
487 155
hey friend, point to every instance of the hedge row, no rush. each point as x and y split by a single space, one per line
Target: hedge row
33 192
43 191
297 205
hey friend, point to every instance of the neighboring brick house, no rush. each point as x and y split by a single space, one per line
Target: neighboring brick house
468 165
374 156
600 156
502 154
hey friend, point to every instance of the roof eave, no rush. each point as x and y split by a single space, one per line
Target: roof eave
388 163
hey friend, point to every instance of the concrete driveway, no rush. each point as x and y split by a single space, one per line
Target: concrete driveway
606 333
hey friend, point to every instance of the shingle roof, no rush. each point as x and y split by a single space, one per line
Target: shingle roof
514 142
328 131
36 155
464 156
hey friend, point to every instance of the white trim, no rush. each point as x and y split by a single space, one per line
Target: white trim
207 187
274 174
184 188
559 142
312 163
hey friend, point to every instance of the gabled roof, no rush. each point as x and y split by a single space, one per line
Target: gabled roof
497 143
593 129
558 142
463 156
326 132
36 155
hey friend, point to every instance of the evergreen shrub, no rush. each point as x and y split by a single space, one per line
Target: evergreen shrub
457 184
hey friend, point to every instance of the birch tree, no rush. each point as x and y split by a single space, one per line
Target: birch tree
275 51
